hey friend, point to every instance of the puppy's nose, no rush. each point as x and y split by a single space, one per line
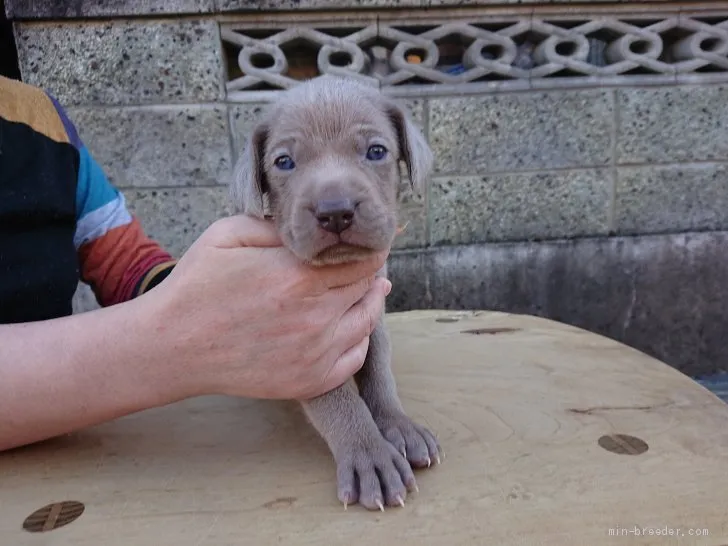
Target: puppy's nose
335 215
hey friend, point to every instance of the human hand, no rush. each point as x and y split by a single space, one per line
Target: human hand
246 318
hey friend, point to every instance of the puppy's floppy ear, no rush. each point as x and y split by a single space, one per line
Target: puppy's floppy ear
249 183
414 149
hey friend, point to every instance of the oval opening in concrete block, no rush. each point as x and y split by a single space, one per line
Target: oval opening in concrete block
566 48
262 60
415 55
640 47
492 51
710 44
340 58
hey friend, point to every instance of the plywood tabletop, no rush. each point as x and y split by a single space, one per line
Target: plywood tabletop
529 413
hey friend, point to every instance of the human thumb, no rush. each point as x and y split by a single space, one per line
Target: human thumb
343 369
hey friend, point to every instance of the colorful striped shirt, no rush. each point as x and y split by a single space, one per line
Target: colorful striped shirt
61 220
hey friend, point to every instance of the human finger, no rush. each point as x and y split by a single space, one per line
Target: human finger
241 231
336 276
345 367
343 297
362 317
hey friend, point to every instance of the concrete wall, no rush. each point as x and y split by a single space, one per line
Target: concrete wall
26 9
601 206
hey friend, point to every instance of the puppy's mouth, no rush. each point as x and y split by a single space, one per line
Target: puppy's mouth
346 252
340 253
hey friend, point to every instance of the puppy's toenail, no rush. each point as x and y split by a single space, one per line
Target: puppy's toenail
381 506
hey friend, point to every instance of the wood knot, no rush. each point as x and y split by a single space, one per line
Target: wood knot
53 516
623 444
280 502
491 331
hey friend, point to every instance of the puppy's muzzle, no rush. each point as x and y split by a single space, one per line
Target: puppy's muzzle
335 215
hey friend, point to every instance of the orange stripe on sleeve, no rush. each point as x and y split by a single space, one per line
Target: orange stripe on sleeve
116 262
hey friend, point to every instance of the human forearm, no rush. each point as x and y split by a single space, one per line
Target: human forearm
62 375
214 326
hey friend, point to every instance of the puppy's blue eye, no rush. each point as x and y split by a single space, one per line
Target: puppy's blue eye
377 152
284 163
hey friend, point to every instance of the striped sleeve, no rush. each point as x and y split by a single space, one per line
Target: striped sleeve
117 259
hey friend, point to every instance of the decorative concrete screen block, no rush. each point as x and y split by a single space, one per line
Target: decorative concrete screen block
176 217
505 132
348 4
478 52
114 63
673 124
158 145
687 197
520 206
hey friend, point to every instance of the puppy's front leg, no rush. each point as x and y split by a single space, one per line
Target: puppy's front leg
379 391
369 469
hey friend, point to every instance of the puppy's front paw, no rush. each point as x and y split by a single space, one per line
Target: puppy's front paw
414 441
371 471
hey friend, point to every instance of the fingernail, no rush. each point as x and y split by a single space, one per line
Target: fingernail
389 288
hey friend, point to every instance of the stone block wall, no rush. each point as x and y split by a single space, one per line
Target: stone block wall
589 192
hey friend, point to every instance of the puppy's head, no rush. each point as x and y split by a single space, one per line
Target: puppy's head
326 158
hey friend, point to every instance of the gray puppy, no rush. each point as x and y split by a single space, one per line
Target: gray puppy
323 162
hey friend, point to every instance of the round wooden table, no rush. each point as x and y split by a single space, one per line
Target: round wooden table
552 436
